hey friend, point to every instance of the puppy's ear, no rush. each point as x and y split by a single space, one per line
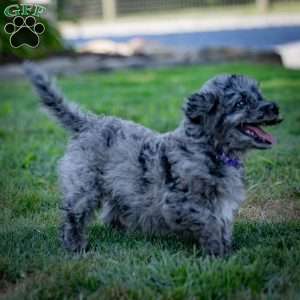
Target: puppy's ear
198 105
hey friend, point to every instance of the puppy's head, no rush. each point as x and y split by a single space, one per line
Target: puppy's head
230 110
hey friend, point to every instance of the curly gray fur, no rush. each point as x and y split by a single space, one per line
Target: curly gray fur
158 183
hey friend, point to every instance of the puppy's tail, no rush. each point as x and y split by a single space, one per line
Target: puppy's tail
68 114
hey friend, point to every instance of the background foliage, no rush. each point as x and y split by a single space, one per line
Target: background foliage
50 41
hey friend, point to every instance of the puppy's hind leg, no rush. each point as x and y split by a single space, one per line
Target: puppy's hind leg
75 221
81 198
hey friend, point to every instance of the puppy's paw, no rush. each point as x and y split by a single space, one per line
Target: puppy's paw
77 247
71 241
214 249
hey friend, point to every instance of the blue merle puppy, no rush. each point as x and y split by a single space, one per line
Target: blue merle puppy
189 181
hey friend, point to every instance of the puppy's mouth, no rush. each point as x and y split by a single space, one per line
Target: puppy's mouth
257 134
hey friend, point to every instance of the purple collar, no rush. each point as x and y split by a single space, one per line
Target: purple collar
230 161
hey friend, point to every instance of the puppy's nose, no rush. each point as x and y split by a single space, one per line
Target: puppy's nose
270 108
274 108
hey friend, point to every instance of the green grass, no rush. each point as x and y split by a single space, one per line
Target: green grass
266 260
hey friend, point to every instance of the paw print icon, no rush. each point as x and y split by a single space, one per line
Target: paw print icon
24 31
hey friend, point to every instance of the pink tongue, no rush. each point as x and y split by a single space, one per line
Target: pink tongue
262 134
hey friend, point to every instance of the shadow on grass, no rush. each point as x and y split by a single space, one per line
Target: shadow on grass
28 241
32 260
246 235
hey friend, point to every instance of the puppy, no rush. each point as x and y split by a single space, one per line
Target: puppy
189 181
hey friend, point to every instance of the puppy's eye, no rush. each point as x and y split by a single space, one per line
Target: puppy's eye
240 104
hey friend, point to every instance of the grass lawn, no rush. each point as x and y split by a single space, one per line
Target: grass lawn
266 260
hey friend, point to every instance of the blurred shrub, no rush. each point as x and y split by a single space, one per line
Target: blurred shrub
51 41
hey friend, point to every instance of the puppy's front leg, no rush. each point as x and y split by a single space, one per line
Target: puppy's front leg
182 215
210 235
227 236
